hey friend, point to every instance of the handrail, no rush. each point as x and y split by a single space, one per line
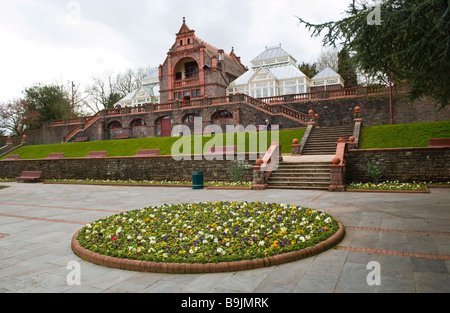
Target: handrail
360 91
341 147
91 120
337 168
271 159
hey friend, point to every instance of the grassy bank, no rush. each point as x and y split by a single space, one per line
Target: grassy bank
129 147
403 135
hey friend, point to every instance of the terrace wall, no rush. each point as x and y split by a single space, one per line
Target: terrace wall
135 168
375 110
402 164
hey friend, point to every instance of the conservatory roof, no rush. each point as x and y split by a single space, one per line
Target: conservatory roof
326 73
270 53
278 73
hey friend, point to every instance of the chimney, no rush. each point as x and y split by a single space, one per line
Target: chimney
214 62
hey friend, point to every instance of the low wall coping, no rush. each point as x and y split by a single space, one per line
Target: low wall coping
146 157
398 149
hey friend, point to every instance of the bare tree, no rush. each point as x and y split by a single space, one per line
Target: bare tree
328 58
15 115
101 91
108 89
132 79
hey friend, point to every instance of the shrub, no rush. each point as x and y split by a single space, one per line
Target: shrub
374 169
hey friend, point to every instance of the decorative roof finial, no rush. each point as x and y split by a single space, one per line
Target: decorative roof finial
184 19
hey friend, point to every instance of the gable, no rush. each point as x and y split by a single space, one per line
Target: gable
261 74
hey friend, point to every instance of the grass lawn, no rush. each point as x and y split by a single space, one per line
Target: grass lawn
403 135
372 137
129 147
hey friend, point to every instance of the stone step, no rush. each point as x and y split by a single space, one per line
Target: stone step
303 171
294 179
296 187
319 151
303 167
300 184
318 144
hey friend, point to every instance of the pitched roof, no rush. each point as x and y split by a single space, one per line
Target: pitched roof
270 53
184 28
279 73
326 73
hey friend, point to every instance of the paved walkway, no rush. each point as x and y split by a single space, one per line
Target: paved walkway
406 234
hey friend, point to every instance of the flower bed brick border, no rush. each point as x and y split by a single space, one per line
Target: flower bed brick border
122 185
191 268
228 188
147 185
390 191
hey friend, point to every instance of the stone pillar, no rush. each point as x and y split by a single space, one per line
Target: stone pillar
352 145
311 118
357 114
236 116
295 148
259 176
337 175
24 140
9 141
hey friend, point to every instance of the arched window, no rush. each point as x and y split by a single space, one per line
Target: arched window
138 123
222 115
114 125
189 118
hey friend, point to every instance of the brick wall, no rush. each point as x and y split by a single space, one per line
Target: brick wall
160 168
375 110
405 164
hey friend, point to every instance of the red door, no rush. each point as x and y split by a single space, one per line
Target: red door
166 129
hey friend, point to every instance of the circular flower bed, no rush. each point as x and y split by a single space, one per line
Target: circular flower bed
203 233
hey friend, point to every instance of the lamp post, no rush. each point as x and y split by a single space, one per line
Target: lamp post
73 101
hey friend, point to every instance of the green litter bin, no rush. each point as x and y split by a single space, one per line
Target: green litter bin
197 180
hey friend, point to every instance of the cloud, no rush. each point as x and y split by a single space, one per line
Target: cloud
47 40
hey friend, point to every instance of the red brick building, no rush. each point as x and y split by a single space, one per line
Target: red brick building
194 69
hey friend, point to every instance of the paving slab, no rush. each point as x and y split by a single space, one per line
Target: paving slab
37 222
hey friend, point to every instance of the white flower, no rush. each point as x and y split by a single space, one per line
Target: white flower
302 239
328 220
261 243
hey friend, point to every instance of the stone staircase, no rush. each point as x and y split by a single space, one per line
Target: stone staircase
301 175
312 169
323 140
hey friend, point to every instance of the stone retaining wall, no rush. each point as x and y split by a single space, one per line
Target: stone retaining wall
403 164
124 168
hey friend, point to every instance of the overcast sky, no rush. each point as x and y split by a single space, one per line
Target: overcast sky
55 40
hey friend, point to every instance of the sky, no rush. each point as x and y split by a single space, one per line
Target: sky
48 41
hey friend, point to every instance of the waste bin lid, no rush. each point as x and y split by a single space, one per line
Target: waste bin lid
197 172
